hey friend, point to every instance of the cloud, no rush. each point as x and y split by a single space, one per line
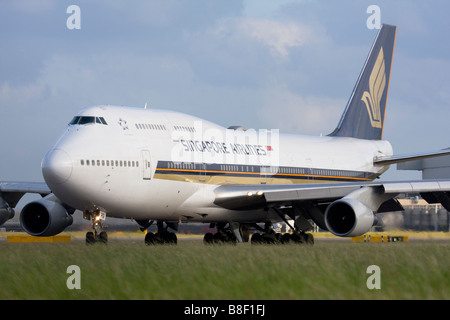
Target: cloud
278 37
244 52
33 7
291 112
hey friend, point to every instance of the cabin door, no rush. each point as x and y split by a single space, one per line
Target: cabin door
147 169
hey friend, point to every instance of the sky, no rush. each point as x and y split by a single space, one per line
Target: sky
289 65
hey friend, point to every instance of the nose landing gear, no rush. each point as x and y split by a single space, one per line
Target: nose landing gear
98 235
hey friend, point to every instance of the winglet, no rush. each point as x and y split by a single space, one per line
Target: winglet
364 114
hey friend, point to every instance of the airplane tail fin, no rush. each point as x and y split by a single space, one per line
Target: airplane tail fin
363 117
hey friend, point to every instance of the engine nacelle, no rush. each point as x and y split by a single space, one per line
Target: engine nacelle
349 217
44 218
6 212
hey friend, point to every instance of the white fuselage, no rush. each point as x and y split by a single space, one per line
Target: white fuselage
161 165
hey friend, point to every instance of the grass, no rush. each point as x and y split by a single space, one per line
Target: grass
190 270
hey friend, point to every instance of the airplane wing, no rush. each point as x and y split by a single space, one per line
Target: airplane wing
11 192
244 197
345 209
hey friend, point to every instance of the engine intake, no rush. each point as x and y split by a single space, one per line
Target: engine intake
44 218
349 217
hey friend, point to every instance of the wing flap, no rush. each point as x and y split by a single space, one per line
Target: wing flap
420 186
243 197
315 192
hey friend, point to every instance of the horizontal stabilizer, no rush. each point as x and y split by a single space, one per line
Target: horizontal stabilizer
382 161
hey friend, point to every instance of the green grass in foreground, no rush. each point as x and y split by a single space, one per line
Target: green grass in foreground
190 270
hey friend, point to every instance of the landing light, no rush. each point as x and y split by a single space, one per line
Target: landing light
258 193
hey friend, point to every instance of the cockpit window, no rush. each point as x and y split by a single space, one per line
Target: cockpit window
87 120
75 120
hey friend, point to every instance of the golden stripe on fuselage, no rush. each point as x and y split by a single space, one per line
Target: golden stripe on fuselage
177 173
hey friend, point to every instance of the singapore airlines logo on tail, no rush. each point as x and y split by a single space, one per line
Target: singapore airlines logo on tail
377 84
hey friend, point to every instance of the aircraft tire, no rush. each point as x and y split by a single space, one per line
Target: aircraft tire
171 238
208 238
90 239
309 238
103 237
256 238
150 238
286 238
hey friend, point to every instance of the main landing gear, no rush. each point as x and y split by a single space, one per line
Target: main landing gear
162 236
224 235
231 233
269 236
286 238
97 235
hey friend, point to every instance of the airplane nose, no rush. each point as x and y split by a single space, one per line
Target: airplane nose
56 167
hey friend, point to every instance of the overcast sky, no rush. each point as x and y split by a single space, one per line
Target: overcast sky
288 65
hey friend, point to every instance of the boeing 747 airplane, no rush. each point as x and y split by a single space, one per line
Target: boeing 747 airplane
157 166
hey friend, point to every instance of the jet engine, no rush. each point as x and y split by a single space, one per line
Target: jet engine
6 212
349 217
44 218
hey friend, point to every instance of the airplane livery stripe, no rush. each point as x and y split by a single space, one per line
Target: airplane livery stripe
172 169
